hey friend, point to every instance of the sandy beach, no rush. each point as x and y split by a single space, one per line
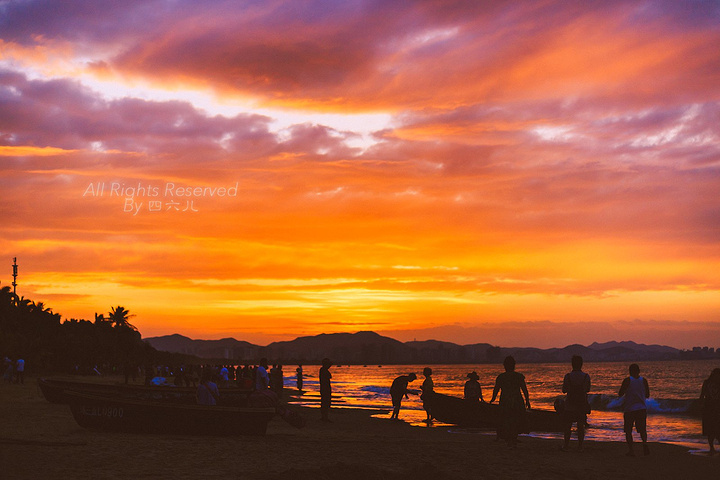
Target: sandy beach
41 440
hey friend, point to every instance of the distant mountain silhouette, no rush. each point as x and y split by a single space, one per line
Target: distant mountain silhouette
435 351
223 348
360 347
633 346
365 348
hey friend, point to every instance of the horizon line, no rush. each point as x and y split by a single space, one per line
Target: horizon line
143 338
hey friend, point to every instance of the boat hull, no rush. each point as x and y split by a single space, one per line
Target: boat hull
54 391
458 411
142 416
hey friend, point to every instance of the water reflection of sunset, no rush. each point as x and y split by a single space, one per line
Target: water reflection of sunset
432 170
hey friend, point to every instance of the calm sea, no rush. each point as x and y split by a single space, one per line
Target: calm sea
674 389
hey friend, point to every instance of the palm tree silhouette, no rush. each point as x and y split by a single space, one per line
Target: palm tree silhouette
39 307
24 304
119 316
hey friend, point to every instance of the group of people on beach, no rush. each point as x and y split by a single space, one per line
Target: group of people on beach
575 408
13 370
399 389
251 377
510 387
514 402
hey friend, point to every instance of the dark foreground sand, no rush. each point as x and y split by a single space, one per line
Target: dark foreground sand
41 440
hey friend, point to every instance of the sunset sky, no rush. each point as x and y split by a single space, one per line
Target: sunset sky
533 173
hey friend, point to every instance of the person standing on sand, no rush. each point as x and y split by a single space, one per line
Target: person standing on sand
325 389
272 377
20 371
428 389
710 395
576 386
9 370
512 387
262 380
398 389
299 377
224 375
635 389
276 380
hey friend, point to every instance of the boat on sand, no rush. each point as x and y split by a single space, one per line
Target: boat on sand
458 411
53 389
148 416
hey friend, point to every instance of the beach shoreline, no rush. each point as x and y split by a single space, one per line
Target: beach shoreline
41 440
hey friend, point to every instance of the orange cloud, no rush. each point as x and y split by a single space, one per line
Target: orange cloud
27 151
417 59
542 164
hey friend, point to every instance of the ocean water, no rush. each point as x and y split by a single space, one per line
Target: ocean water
673 415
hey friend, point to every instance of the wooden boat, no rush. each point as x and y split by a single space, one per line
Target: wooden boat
147 416
54 392
458 411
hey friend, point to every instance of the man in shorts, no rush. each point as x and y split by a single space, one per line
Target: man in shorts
635 389
576 386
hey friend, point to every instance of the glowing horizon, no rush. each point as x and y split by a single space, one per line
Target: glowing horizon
426 170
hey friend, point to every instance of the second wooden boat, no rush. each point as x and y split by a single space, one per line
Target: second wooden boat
458 411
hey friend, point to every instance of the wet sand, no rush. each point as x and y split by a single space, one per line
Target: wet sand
41 440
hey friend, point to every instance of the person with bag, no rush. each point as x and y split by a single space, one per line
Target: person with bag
576 386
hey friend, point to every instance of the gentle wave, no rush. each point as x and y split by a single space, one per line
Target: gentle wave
602 402
373 389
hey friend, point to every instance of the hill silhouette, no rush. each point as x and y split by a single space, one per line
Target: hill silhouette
371 348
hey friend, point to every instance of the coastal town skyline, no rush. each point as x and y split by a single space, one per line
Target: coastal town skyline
532 174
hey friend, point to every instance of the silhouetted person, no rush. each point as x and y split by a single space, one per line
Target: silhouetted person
576 386
277 380
262 379
710 395
299 377
20 371
512 387
271 377
635 389
245 378
428 390
325 389
473 390
224 375
149 373
207 391
398 389
9 374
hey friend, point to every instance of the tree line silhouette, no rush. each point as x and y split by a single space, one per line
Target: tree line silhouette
35 333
